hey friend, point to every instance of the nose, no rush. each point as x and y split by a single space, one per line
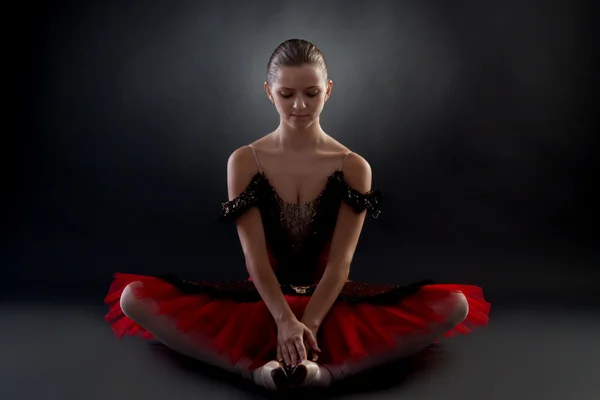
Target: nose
299 103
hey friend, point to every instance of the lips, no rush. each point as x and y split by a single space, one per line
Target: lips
294 115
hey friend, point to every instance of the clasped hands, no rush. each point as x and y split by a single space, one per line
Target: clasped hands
296 341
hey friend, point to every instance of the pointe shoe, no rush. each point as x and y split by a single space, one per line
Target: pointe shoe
308 374
272 376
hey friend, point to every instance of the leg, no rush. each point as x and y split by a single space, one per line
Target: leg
454 308
143 312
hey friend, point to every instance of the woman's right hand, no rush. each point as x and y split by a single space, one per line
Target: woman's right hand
291 335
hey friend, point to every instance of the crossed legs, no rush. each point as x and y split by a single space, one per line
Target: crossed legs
453 308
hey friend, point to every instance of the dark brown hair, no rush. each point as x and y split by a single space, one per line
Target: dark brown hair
295 53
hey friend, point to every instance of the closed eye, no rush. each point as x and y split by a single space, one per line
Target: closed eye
308 94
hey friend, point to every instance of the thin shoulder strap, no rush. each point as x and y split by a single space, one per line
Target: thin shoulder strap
344 162
255 158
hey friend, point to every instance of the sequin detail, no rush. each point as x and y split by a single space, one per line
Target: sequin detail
233 208
296 221
361 201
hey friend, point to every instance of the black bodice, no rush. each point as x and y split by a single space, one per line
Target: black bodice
298 235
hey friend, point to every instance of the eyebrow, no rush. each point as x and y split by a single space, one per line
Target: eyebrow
310 87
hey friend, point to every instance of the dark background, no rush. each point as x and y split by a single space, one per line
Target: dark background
476 117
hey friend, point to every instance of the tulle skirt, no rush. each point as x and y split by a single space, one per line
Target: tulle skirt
231 320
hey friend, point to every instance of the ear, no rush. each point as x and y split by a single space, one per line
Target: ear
268 90
328 90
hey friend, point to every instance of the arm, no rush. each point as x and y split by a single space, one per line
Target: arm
240 170
357 173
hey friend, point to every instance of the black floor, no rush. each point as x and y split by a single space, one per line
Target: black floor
67 352
542 342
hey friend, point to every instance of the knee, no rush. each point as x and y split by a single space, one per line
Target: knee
459 308
130 304
453 309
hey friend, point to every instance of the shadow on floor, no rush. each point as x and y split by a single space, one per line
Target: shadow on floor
393 375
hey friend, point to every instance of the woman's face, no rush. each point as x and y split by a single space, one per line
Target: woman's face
299 94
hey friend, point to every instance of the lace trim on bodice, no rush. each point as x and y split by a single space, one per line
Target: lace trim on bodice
259 187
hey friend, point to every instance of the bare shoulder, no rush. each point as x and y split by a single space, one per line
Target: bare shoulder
357 172
356 169
242 160
241 168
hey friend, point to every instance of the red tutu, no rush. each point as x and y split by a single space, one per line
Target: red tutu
244 332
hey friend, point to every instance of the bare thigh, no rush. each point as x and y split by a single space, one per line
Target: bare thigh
144 313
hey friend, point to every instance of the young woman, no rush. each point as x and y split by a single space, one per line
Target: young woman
299 199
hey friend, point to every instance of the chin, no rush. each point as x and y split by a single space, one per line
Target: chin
301 122
301 126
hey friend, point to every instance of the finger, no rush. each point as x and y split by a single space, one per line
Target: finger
311 340
286 355
279 355
301 349
293 354
310 352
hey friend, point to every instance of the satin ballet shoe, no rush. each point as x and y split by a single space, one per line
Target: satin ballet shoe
272 376
308 374
280 377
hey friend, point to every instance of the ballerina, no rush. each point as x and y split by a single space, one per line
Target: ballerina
299 199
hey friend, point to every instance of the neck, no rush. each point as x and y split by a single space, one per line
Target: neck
288 138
